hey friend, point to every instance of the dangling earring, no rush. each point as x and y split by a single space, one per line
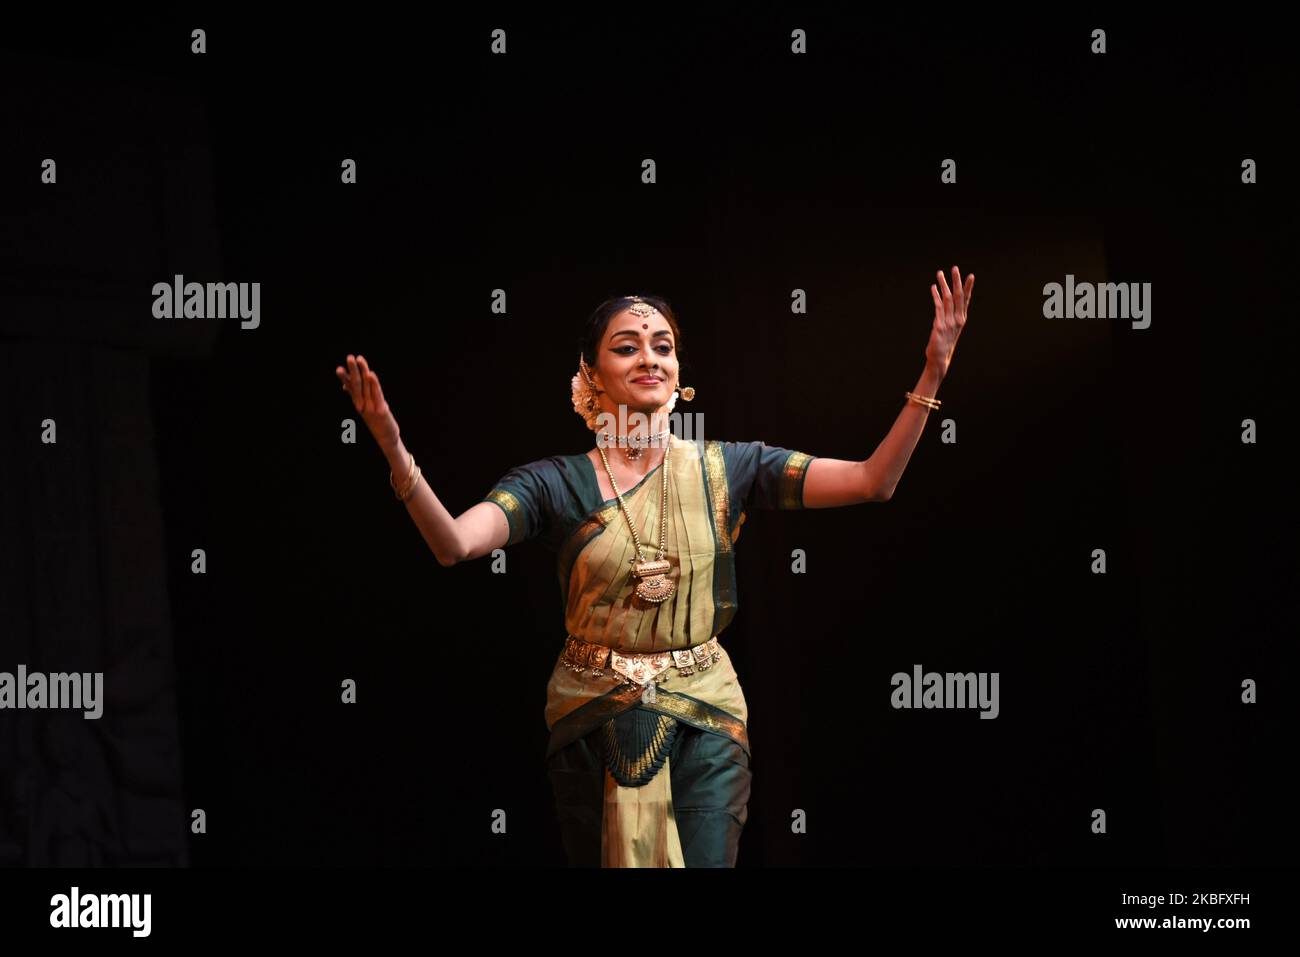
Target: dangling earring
687 394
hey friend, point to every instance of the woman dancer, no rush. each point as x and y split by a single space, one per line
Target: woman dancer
649 758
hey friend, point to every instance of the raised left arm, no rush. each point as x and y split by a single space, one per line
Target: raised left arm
834 482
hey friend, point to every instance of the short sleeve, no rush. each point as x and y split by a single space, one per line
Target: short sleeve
766 476
523 494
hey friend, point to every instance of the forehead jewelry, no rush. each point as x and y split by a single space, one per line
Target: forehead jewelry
641 308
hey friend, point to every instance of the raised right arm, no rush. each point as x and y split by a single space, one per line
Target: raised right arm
474 533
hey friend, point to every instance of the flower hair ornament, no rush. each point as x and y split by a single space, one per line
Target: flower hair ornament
585 392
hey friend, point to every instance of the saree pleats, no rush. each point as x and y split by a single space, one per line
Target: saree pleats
679 784
639 826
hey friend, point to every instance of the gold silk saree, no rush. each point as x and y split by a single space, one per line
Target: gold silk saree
711 486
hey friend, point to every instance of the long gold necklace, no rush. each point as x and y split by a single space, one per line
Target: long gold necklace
654 585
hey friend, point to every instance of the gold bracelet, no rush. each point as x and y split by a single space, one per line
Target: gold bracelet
410 472
410 489
405 491
928 401
410 467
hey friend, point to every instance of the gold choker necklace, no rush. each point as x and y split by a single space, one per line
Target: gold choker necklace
633 445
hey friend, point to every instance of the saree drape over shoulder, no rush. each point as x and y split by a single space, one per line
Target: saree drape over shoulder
712 486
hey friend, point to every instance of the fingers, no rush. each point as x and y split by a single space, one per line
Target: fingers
366 400
938 300
956 306
354 383
362 383
947 312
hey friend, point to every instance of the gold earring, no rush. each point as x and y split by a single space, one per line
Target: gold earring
584 394
586 370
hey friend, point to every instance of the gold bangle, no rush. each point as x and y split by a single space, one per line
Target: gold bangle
410 489
406 483
928 401
404 492
410 461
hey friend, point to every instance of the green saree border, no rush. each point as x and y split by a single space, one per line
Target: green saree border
700 714
714 467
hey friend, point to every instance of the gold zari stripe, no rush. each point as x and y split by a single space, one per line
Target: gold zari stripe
792 479
514 512
716 470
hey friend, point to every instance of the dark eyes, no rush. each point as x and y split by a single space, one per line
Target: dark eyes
663 350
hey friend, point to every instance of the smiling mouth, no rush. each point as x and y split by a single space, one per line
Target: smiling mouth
647 381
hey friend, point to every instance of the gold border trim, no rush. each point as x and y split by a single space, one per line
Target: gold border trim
796 467
585 719
716 471
700 714
513 509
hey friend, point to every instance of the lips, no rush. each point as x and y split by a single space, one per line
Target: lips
647 381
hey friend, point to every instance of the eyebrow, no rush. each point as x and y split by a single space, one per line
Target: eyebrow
633 332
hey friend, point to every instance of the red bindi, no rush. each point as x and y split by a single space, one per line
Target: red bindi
644 326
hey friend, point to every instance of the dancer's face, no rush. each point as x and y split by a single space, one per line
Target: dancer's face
633 350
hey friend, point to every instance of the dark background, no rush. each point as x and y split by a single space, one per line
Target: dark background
821 172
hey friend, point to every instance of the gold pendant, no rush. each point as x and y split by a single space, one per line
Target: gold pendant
655 585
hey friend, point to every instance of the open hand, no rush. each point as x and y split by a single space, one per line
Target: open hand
368 398
950 310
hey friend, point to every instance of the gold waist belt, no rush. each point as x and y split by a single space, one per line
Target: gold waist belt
639 669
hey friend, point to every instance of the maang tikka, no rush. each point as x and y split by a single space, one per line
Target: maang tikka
587 405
